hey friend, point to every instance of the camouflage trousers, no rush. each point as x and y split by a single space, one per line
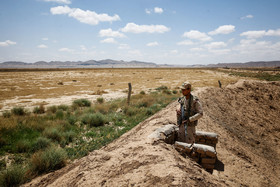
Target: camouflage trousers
190 134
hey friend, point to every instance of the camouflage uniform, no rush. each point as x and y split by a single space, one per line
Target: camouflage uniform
196 112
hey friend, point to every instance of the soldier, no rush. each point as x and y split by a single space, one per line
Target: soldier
188 113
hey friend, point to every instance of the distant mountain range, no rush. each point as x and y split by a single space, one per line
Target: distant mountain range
258 64
109 63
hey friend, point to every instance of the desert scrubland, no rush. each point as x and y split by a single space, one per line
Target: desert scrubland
245 113
32 88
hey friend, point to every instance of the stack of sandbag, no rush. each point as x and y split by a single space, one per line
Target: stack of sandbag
167 133
206 138
204 155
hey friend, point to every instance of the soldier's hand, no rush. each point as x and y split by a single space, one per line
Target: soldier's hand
178 112
186 121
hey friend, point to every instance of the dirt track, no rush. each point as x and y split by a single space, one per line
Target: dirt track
245 115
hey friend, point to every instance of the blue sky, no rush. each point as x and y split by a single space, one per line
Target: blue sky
160 31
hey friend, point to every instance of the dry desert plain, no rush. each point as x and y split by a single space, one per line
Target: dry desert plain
31 88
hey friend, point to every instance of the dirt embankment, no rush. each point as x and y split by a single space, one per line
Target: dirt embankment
246 117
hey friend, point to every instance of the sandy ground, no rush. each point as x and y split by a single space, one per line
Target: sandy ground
246 117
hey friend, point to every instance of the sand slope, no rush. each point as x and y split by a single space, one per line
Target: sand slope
246 117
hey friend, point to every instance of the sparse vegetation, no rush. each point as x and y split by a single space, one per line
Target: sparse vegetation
13 176
43 143
18 111
50 159
52 109
6 114
261 74
100 100
82 103
39 110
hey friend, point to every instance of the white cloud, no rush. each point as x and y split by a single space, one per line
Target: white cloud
148 11
158 10
254 34
66 50
152 44
110 33
124 46
259 50
220 51
224 29
247 41
197 35
42 46
261 33
45 39
7 43
134 28
247 17
196 49
61 10
174 51
59 1
185 42
83 48
214 45
108 40
88 17
273 32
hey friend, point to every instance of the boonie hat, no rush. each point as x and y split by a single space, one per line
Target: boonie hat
186 85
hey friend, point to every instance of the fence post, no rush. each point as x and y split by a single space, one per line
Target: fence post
220 84
129 93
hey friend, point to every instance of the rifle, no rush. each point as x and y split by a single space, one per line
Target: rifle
184 118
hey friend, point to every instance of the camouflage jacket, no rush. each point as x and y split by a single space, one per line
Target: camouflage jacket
195 113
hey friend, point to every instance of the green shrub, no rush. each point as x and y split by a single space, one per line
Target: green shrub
104 109
50 159
72 120
174 91
2 141
59 114
130 111
23 146
53 133
69 136
63 107
6 114
18 111
13 176
149 111
82 103
39 110
168 92
143 104
41 143
161 88
100 100
2 164
142 92
93 120
52 109
89 110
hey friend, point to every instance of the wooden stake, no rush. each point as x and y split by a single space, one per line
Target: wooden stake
220 84
129 93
